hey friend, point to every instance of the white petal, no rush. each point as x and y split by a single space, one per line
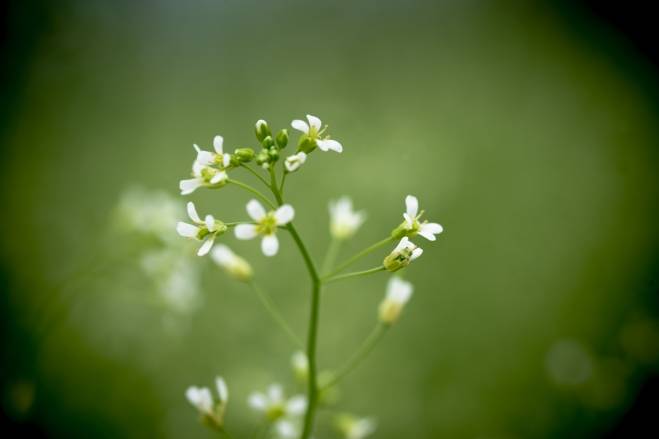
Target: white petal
300 125
409 221
205 158
416 253
328 144
433 228
226 160
218 142
187 230
206 246
257 401
270 245
201 398
222 389
275 393
296 405
399 290
222 254
190 185
255 210
219 177
412 205
245 231
284 214
404 242
426 232
197 168
192 212
285 429
192 394
314 122
209 221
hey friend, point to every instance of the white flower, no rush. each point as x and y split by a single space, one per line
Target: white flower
344 221
412 226
286 429
355 428
294 161
398 294
207 158
313 132
232 263
201 398
404 253
266 225
203 176
274 405
205 231
149 212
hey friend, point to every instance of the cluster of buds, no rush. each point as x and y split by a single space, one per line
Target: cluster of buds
210 409
271 147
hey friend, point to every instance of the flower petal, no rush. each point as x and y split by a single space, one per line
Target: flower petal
284 214
222 254
404 242
412 205
222 389
187 230
399 290
192 213
275 393
205 158
218 143
226 160
314 122
255 210
416 253
409 221
209 221
258 401
206 246
219 177
296 405
300 125
245 231
270 245
329 144
189 185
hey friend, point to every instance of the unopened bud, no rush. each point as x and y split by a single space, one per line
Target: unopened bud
282 139
244 155
267 142
262 130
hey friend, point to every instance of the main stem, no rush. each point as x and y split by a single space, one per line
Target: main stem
312 386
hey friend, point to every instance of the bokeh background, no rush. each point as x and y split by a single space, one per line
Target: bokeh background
528 129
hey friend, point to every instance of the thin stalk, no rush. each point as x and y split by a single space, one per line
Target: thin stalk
270 306
283 180
360 255
314 315
252 190
256 174
330 256
366 347
327 280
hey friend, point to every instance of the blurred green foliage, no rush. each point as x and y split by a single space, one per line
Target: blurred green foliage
528 132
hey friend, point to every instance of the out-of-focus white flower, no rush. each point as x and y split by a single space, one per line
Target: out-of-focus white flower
274 405
344 221
211 410
294 161
398 294
203 176
206 230
411 226
219 158
404 253
175 276
149 212
355 428
313 132
300 365
266 225
233 264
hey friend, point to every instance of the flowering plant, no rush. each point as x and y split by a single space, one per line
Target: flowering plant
295 417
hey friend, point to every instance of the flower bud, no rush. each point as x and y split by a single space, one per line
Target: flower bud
268 142
282 139
262 130
234 265
262 157
244 155
398 294
293 162
404 253
273 153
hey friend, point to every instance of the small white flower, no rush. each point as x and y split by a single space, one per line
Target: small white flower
266 225
202 400
207 158
404 253
398 294
313 131
286 429
203 176
355 428
274 405
294 161
206 230
412 225
236 266
344 221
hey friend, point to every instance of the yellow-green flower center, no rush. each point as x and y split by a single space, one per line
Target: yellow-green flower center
267 225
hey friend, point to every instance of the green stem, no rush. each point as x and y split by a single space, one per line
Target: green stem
366 347
327 280
270 306
330 256
283 180
312 380
360 255
252 190
256 174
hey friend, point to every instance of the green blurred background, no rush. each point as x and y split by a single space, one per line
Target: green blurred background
529 130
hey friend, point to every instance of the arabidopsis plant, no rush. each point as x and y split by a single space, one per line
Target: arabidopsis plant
266 225
234 265
211 410
411 226
274 405
313 136
344 221
205 231
399 293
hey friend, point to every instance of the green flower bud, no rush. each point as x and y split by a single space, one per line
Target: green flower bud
273 153
244 155
262 157
282 138
268 142
262 130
